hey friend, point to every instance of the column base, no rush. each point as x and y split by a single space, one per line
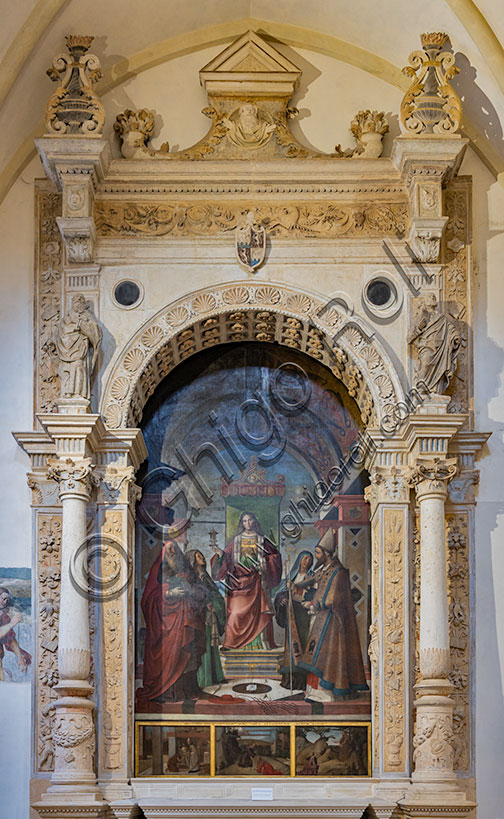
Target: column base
72 805
430 803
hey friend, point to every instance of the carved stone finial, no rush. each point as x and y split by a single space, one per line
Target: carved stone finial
437 341
136 129
368 128
250 243
75 108
75 345
430 105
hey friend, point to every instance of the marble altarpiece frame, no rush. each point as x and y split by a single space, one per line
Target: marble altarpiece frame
91 206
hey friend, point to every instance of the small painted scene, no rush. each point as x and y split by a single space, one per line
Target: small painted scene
332 750
168 750
253 580
15 625
252 750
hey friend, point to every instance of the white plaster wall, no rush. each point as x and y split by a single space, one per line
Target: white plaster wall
488 226
331 96
16 413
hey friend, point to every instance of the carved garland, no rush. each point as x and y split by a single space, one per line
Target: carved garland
267 313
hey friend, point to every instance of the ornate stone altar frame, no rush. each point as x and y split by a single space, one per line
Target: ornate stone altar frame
99 218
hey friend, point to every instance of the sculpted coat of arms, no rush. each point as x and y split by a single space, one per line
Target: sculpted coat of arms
250 243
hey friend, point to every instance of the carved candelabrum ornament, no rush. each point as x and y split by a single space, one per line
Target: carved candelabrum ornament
74 108
436 338
430 105
136 129
75 346
368 128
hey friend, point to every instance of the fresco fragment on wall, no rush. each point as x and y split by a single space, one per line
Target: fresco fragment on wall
15 625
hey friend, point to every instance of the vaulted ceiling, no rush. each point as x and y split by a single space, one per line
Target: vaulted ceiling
132 37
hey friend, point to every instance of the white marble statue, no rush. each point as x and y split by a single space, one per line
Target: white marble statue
437 341
76 342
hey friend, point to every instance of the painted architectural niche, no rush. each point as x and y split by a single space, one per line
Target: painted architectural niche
118 704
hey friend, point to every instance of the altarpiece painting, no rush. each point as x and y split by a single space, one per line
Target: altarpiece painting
253 580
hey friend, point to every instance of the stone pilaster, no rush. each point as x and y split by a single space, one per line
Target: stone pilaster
388 495
115 516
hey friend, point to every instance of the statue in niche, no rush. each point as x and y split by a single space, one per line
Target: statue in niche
249 126
76 343
437 341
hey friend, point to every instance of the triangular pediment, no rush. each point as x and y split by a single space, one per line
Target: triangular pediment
250 65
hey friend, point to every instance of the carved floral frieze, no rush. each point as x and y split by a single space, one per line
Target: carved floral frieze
305 220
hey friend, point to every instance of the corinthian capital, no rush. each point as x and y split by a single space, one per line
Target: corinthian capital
432 475
117 485
74 477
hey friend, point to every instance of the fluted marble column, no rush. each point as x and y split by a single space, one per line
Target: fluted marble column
433 743
73 726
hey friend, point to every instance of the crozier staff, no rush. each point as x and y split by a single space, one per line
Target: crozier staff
333 657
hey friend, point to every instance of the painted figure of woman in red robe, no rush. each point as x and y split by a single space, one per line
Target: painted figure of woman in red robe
174 606
251 566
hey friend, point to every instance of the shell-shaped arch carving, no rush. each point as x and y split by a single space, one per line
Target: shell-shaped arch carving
248 312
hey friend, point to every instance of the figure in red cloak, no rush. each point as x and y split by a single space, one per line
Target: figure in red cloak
250 566
173 605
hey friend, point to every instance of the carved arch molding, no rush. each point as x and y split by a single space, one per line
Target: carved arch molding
237 312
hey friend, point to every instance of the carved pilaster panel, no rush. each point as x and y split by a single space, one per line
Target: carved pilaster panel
49 294
394 640
460 642
113 649
49 570
374 646
457 287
